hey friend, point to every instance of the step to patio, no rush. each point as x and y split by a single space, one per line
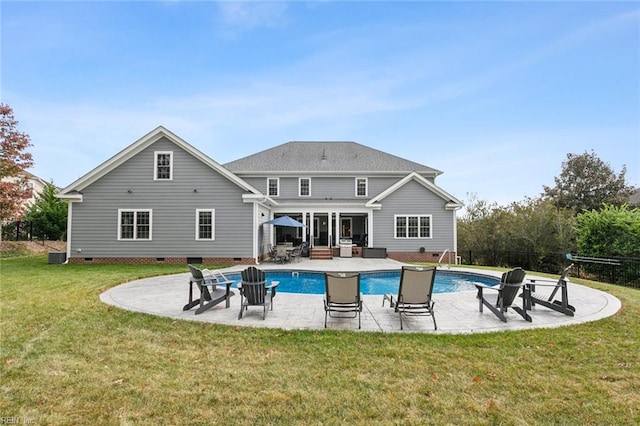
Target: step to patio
320 253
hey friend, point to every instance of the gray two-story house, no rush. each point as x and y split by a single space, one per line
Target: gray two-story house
162 200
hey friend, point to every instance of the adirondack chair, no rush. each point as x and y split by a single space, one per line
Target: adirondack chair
550 301
255 292
214 288
510 284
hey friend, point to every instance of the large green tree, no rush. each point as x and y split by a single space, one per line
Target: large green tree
14 160
586 183
49 214
610 231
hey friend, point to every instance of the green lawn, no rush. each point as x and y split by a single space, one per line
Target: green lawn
67 358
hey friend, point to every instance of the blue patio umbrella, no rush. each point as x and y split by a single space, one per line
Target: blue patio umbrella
285 221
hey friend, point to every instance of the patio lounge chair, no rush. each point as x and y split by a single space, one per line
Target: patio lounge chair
255 292
414 294
550 302
342 296
510 284
207 283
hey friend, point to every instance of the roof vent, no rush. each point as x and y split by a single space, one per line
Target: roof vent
324 156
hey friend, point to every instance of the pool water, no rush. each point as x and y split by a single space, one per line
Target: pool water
372 283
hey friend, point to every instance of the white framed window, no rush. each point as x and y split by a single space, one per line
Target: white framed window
134 224
304 187
205 224
361 187
412 226
163 165
273 187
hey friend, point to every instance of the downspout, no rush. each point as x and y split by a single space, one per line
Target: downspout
69 222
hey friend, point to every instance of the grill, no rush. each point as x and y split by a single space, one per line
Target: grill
345 247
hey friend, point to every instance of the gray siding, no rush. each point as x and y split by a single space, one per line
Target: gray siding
413 199
325 186
173 203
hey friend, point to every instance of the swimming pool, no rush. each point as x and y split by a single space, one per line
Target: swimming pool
373 282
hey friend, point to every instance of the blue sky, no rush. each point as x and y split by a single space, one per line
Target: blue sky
494 94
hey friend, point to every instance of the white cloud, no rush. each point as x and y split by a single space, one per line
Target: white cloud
240 16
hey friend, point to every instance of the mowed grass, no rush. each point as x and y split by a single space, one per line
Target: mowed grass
66 358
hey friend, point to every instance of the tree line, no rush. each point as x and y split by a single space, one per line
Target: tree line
586 212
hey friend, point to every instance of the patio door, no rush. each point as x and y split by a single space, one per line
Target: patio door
321 230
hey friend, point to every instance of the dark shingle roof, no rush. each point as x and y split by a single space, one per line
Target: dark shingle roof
309 157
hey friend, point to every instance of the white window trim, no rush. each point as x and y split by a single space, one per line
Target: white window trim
155 164
213 224
277 187
407 216
366 187
135 225
300 179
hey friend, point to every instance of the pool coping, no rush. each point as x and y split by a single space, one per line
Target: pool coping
456 313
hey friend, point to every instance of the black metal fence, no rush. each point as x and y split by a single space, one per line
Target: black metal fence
33 230
19 231
623 271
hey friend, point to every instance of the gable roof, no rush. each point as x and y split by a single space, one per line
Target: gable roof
452 202
326 157
138 146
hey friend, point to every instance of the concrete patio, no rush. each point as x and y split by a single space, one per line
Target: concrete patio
455 312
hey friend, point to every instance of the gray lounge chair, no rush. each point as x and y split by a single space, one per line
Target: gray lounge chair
210 284
342 296
510 284
415 293
255 292
550 302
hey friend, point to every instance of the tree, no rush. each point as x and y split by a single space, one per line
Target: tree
586 183
530 233
610 231
49 214
14 160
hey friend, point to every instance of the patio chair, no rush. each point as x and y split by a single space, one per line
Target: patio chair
282 254
273 254
304 249
210 284
510 284
414 293
295 253
342 296
255 292
550 302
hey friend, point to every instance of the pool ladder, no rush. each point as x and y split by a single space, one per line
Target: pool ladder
449 258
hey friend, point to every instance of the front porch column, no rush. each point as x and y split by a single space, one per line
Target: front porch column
312 230
304 231
370 229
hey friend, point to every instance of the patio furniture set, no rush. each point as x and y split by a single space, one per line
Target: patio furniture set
343 298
